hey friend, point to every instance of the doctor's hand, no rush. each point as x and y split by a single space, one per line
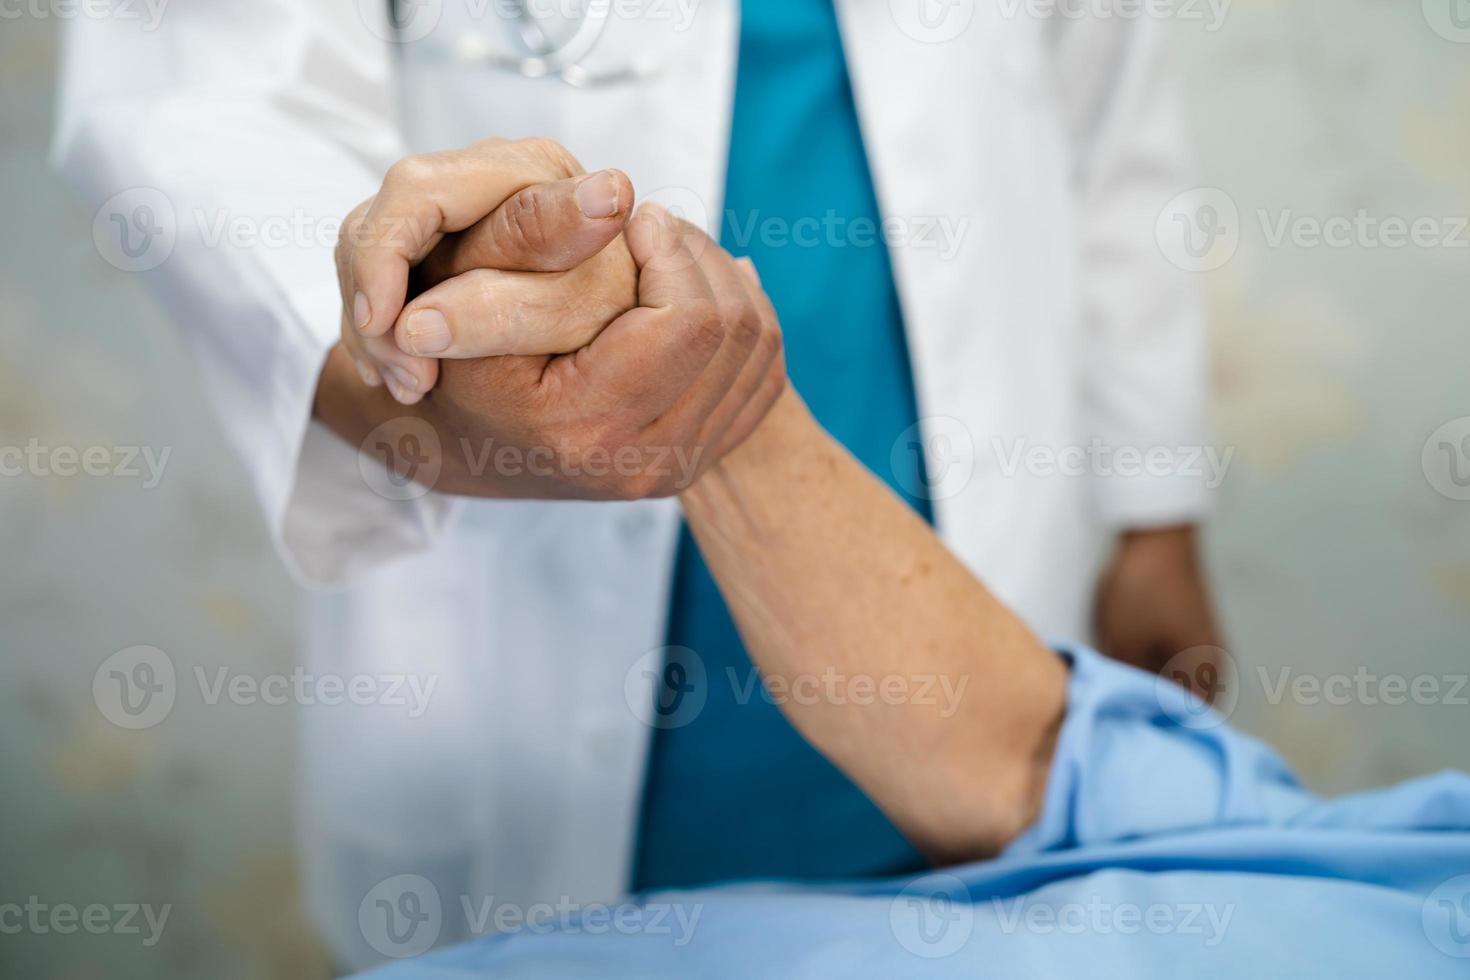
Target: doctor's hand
1153 609
642 410
518 249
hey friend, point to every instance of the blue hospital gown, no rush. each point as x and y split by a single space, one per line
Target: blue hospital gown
1169 845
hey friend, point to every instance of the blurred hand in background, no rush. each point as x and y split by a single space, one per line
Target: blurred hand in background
1153 606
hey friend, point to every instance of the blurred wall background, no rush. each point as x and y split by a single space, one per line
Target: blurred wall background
1341 548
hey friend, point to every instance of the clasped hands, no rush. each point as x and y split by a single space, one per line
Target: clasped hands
509 299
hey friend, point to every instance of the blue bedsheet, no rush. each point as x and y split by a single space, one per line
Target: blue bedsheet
1170 845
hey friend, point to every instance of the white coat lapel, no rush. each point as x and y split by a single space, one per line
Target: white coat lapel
963 159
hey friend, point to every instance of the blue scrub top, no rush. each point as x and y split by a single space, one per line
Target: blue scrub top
737 793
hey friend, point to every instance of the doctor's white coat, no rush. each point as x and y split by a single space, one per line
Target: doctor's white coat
1051 322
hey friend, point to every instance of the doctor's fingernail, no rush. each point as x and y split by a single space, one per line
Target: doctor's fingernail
597 195
368 373
361 311
405 380
426 332
401 394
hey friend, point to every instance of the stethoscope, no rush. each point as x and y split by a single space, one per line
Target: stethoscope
546 58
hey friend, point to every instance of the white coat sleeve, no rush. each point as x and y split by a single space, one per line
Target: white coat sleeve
1146 367
228 140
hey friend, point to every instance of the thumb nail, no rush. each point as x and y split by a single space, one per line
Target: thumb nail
597 195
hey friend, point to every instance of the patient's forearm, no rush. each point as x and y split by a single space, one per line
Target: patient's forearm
946 706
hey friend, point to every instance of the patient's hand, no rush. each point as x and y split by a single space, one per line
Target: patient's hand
519 282
649 404
518 249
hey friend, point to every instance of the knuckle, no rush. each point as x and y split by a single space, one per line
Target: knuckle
746 325
774 386
571 437
410 171
489 143
703 322
771 343
604 434
553 154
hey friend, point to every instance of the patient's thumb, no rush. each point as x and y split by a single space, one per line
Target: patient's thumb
550 227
